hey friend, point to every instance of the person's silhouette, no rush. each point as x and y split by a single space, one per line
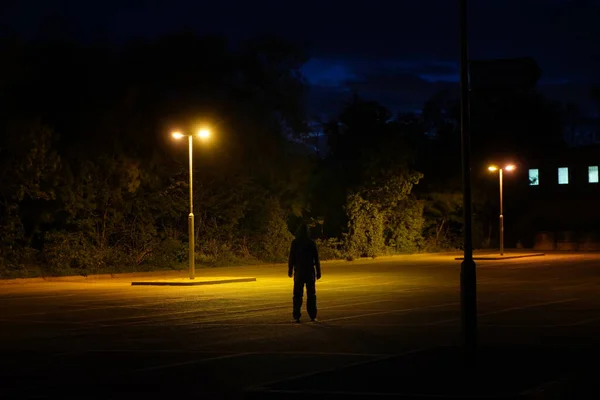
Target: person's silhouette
304 266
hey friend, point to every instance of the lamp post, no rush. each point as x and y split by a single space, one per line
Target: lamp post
202 134
494 168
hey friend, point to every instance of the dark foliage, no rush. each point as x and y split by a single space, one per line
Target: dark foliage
91 180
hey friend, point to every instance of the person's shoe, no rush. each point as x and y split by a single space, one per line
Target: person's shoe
297 320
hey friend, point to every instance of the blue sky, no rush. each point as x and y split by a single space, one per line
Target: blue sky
398 52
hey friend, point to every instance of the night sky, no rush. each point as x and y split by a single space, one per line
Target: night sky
398 52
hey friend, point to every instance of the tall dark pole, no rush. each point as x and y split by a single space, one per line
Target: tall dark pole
501 217
468 285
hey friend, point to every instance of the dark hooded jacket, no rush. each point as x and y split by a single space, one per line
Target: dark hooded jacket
304 258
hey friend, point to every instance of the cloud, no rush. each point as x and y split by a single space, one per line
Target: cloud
405 85
399 85
321 72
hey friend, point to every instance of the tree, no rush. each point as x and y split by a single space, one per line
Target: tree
115 195
28 176
443 216
368 170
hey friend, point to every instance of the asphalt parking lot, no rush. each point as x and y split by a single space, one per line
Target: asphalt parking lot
386 326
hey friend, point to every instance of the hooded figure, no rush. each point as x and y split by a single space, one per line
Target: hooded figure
305 267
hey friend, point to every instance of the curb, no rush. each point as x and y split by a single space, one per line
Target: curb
482 258
191 283
91 278
183 272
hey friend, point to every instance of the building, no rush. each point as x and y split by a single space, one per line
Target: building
561 199
552 201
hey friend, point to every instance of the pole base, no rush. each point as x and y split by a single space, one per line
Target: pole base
192 246
468 304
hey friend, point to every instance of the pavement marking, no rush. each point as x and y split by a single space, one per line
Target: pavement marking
263 336
260 313
8 298
220 316
216 310
192 283
27 321
103 297
321 282
378 284
260 353
288 286
186 351
231 316
181 300
180 364
205 322
390 312
507 310
247 313
548 386
535 326
150 320
176 300
376 394
360 324
584 321
68 353
263 386
548 303
318 353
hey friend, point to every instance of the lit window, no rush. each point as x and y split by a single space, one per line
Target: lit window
563 176
593 174
534 177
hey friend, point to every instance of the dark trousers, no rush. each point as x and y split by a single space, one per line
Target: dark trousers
311 297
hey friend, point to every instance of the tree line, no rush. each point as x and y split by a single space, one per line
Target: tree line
91 181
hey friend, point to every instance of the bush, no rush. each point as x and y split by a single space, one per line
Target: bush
405 227
68 252
330 249
445 242
17 263
366 227
272 242
167 254
217 253
14 252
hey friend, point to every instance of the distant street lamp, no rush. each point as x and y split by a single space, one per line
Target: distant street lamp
508 168
204 135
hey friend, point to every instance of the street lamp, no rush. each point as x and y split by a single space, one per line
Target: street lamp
203 134
508 168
